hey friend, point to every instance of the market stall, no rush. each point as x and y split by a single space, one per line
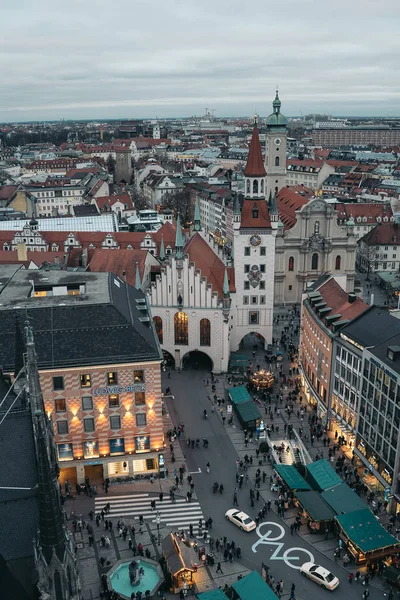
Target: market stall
364 536
342 499
180 560
321 475
318 514
252 587
292 478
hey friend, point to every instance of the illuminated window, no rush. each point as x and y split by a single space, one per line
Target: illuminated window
140 399
138 376
113 400
112 378
291 263
40 294
205 332
159 328
86 380
60 405
181 329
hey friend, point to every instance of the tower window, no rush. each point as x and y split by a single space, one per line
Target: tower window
277 161
255 213
247 251
314 262
338 263
262 251
291 263
248 186
255 186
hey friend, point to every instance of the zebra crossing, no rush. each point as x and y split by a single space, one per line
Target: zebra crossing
177 515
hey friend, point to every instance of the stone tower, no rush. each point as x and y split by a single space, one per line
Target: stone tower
123 165
275 149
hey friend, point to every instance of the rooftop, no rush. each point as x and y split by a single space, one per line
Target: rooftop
372 327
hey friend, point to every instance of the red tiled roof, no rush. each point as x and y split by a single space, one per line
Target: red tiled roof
210 265
7 191
11 257
103 201
119 262
387 234
321 152
288 202
261 221
365 209
338 300
255 164
71 173
305 162
342 163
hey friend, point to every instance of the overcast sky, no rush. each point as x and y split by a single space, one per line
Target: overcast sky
166 58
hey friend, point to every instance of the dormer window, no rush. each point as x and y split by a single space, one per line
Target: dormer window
255 213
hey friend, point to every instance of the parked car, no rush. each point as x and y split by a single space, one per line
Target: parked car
240 519
319 575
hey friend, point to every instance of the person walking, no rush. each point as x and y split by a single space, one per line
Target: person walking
292 589
219 570
346 560
365 594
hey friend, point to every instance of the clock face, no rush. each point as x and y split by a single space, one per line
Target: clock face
255 240
277 141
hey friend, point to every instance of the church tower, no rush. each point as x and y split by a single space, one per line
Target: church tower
275 149
254 253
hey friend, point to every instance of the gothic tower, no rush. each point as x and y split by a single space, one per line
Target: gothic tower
275 149
254 253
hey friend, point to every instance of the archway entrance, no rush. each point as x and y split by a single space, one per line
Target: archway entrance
197 360
252 342
168 361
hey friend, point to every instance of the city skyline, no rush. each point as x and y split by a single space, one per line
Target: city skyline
170 60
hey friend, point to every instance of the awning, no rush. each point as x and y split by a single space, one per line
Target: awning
365 532
239 394
315 506
248 411
342 499
291 477
322 476
253 587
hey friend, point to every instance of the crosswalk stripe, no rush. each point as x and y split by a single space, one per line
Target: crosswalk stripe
149 513
104 499
145 502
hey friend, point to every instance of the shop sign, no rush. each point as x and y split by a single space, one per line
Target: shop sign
161 460
118 389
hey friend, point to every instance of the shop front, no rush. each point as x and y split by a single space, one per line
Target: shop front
376 474
343 420
313 398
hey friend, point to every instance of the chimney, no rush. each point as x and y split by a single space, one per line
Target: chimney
352 297
22 254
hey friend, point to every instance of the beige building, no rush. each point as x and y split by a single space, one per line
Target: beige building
311 173
310 242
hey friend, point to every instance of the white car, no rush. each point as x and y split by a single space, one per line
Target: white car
240 519
320 575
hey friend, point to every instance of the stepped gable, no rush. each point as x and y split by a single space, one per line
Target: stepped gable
209 264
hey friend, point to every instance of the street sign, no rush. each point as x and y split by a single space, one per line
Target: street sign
229 409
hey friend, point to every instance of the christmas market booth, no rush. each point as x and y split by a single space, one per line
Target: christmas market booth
181 561
318 514
252 587
246 409
343 499
291 477
364 536
322 476
238 363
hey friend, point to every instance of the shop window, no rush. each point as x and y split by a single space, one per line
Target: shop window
62 427
253 317
113 400
115 422
58 383
291 263
338 261
205 332
112 378
158 324
142 443
181 324
88 424
138 376
117 446
151 464
314 262
140 399
60 405
65 452
87 403
91 449
86 380
141 419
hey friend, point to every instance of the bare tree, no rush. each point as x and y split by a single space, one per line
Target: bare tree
367 256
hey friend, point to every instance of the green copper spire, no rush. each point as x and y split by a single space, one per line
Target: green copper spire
162 249
179 239
236 205
197 221
138 283
226 284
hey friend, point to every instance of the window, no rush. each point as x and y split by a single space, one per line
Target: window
277 161
253 317
62 427
291 263
248 186
314 262
181 329
141 419
262 186
158 327
86 380
290 288
337 263
262 299
205 332
112 378
140 399
255 186
138 376
113 400
262 285
254 299
60 405
262 268
58 383
245 299
246 285
247 251
88 424
247 268
262 250
115 422
255 213
87 402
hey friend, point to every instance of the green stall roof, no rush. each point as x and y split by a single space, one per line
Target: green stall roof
365 531
291 477
321 475
248 411
253 587
315 506
239 394
342 499
217 594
